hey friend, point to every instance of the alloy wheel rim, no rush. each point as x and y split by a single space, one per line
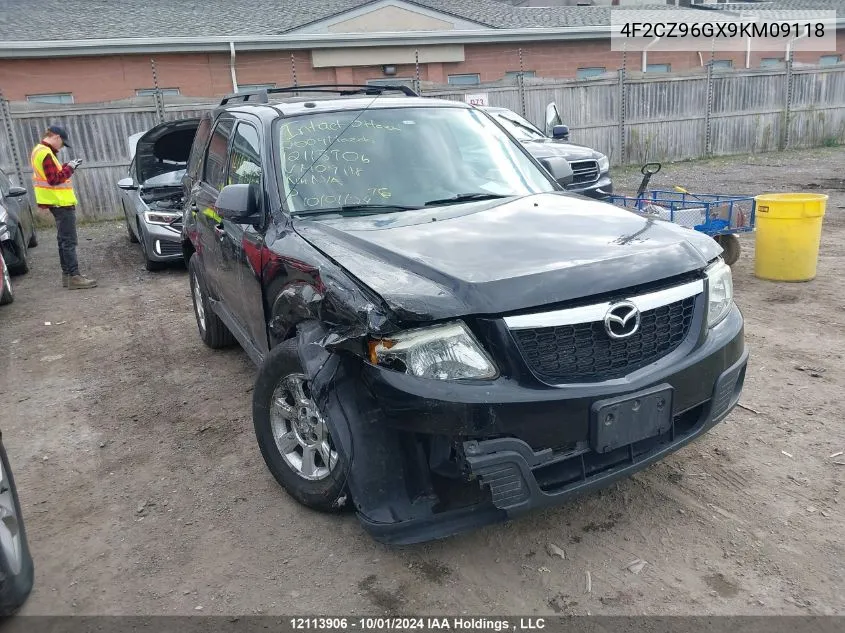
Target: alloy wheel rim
10 528
7 280
198 305
300 431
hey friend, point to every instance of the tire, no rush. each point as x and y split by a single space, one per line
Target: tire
7 296
153 266
326 491
130 234
22 267
17 570
730 245
213 331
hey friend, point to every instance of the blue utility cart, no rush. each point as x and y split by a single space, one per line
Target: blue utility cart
721 216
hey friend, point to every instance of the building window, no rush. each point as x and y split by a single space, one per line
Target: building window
150 92
723 63
58 97
771 62
465 80
586 73
830 60
512 75
249 87
658 68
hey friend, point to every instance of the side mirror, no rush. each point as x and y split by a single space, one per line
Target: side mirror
127 184
16 192
239 204
560 132
559 168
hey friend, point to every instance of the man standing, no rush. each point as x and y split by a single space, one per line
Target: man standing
54 191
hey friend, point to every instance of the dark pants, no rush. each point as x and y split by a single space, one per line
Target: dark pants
66 236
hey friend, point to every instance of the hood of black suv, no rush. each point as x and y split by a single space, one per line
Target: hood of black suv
500 256
547 148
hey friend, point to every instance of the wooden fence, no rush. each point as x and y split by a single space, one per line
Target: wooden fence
633 118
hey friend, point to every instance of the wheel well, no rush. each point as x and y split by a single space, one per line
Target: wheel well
187 250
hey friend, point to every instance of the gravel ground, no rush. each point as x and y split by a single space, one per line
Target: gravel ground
144 491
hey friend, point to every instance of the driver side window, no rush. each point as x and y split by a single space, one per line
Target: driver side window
245 159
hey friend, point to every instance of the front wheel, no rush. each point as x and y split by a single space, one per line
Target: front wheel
6 296
22 267
16 568
293 434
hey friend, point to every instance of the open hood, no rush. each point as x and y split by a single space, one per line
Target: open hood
161 151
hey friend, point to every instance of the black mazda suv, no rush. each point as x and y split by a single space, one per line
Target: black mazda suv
444 336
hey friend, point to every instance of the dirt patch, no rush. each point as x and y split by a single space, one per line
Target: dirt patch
137 413
433 571
388 601
721 585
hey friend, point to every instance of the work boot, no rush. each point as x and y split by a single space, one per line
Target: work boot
78 282
65 278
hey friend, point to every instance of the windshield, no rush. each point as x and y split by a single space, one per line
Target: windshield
519 127
400 158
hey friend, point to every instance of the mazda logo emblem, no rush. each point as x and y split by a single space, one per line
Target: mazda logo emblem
622 320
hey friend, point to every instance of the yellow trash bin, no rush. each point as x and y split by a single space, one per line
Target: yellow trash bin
789 229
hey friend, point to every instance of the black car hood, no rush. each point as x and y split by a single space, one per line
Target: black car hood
504 256
546 148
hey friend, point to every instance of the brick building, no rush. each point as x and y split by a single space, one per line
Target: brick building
77 51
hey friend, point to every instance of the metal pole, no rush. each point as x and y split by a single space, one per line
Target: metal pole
520 82
623 151
787 114
417 71
708 137
6 115
159 102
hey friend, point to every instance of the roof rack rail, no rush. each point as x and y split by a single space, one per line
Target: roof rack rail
262 95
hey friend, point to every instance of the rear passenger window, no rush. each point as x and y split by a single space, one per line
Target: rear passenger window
197 149
214 172
245 160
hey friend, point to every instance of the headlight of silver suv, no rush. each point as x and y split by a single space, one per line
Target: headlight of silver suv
442 352
720 292
157 217
604 163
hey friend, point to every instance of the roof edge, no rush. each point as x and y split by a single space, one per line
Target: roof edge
95 47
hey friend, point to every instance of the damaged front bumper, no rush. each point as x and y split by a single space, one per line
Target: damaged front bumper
431 459
162 243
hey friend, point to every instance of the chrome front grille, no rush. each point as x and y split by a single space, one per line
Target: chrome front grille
584 172
569 346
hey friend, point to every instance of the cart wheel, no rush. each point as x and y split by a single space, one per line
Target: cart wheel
730 244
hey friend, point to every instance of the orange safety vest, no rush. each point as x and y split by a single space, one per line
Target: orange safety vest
48 195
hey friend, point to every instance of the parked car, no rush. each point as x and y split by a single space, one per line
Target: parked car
151 193
590 169
16 568
444 336
17 226
6 294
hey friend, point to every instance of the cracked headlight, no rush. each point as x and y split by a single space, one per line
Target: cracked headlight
720 292
604 163
442 352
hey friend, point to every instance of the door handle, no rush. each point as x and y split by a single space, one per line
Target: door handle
219 231
194 208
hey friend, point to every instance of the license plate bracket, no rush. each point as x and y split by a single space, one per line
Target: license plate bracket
616 422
